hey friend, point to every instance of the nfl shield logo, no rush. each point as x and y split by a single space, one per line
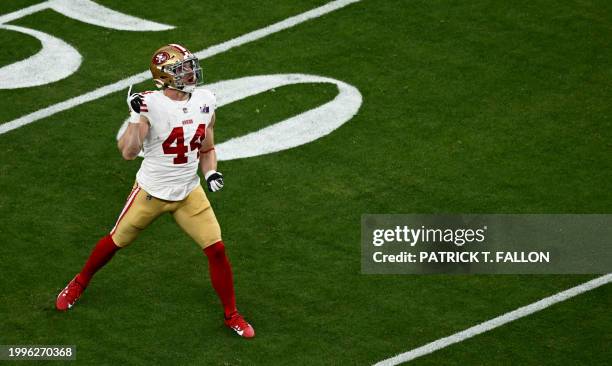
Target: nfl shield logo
204 109
185 110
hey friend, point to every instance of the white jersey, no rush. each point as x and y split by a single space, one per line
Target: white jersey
169 170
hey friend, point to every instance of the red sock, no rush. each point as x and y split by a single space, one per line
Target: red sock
101 254
221 276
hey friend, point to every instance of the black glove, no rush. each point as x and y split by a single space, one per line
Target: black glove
134 101
214 180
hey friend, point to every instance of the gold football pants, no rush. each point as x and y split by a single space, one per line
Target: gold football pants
193 214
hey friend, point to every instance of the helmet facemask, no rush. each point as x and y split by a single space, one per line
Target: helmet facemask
187 74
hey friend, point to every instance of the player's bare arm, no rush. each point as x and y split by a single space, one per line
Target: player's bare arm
130 142
208 156
208 159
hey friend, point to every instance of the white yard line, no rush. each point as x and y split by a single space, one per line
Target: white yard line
496 322
208 52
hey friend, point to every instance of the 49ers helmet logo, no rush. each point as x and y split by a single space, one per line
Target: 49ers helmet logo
160 58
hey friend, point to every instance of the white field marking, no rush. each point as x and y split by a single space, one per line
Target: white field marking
496 322
9 17
89 12
55 61
211 51
295 131
92 13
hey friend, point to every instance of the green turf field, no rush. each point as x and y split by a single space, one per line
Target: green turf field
468 107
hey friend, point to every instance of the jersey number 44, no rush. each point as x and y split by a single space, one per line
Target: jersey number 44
175 143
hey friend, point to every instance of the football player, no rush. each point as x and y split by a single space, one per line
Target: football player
174 127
